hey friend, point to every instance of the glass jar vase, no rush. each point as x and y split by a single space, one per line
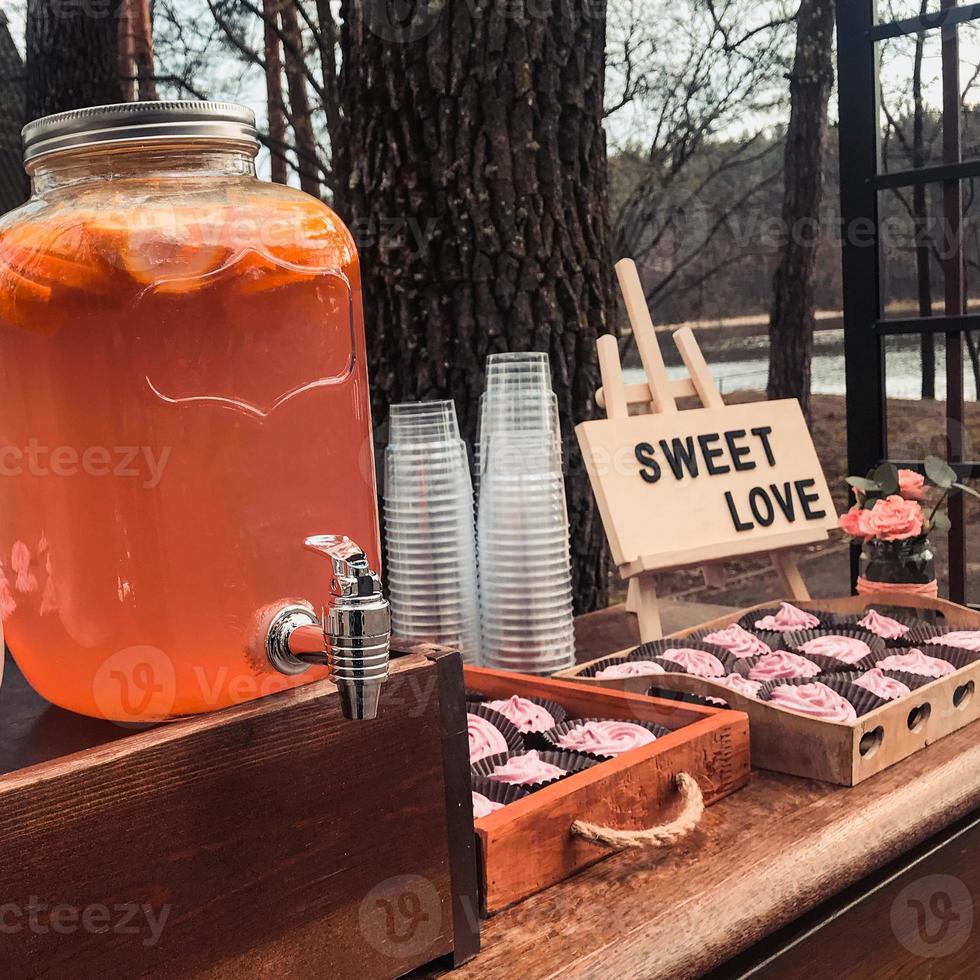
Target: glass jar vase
908 565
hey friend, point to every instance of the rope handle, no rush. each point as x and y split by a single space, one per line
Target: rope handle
663 835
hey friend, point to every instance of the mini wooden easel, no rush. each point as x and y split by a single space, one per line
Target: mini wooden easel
659 394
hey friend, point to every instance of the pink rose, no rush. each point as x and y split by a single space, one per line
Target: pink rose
895 519
911 485
855 522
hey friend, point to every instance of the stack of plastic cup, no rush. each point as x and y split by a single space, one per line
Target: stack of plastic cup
429 533
525 567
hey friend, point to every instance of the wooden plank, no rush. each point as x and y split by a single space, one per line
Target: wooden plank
694 907
697 368
789 575
260 840
459 805
701 555
611 371
638 393
922 914
652 358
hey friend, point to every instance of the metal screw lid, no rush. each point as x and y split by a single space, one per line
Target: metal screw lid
140 122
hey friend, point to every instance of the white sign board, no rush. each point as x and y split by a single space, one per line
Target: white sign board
701 485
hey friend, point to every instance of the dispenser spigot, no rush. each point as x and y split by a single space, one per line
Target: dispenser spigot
355 628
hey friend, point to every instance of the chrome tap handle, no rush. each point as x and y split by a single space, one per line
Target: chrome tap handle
352 575
356 629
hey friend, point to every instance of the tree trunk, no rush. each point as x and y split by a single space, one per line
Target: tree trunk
478 192
72 56
142 23
127 51
273 89
14 186
299 101
791 319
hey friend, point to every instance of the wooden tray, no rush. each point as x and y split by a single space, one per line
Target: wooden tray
527 845
272 839
784 741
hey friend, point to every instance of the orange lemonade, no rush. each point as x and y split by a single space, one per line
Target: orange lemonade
186 400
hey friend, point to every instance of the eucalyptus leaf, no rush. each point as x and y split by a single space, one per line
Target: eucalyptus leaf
966 489
940 522
940 472
886 477
860 483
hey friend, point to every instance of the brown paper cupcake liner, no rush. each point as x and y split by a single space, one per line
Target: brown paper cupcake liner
687 698
498 792
474 697
512 736
917 635
571 762
861 700
957 656
553 735
748 621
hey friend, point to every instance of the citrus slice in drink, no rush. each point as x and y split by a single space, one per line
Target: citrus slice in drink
173 250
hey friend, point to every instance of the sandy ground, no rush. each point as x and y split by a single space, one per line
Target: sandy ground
916 429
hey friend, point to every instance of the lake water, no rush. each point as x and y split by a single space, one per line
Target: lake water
742 364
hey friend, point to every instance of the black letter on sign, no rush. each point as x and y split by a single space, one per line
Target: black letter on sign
807 498
644 454
683 455
786 504
767 515
710 455
739 451
762 432
740 525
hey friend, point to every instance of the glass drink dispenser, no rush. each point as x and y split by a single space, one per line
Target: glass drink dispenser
185 402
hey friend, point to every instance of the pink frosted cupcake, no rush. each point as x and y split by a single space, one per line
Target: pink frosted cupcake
815 700
964 639
883 626
482 807
630 668
525 770
916 662
607 738
846 649
738 642
697 662
485 738
743 685
526 715
880 684
781 665
787 618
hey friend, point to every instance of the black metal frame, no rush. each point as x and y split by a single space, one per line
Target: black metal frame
861 180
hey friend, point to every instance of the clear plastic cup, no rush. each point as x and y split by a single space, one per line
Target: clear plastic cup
414 422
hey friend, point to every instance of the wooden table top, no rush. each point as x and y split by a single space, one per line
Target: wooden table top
760 859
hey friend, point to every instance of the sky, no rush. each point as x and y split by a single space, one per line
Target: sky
229 78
